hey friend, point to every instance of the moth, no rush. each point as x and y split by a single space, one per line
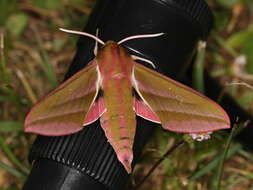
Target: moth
115 88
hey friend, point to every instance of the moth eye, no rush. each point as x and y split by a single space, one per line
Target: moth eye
200 136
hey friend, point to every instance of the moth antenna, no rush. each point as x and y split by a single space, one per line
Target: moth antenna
84 34
96 43
134 57
140 36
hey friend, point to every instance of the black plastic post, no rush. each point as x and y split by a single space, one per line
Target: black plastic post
86 160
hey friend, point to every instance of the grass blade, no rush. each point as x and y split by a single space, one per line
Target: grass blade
217 181
12 157
12 171
223 44
10 126
247 155
45 61
214 163
5 76
198 69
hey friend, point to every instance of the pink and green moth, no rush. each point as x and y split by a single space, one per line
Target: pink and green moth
128 89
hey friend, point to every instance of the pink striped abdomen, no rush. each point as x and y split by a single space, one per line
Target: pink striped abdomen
118 122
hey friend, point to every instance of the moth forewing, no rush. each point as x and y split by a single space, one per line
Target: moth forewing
180 108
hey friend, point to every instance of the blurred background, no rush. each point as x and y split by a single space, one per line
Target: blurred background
35 55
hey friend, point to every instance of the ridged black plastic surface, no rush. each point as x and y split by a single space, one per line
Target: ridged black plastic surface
88 151
197 11
48 174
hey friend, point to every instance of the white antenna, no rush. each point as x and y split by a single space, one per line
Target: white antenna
84 34
140 36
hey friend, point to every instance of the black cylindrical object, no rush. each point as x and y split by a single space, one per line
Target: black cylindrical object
86 160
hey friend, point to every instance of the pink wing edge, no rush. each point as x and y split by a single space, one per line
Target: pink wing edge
90 117
226 117
144 111
96 110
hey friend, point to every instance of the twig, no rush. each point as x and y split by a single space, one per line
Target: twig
172 149
241 84
27 86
